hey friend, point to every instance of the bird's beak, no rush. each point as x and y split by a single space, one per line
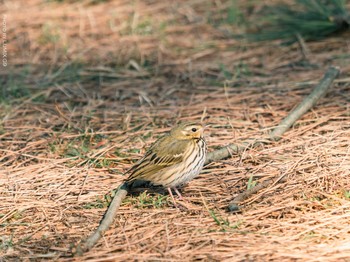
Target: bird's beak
202 129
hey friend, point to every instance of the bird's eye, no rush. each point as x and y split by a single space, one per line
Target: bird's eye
194 129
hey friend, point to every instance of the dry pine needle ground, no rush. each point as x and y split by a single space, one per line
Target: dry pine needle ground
60 156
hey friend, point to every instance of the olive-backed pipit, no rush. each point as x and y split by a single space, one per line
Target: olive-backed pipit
174 159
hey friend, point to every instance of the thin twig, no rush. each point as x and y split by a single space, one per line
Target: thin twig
304 106
224 152
308 102
234 204
229 150
106 221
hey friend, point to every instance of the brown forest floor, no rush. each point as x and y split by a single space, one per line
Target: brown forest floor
100 80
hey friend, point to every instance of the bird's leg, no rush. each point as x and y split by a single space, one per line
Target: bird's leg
178 193
183 202
172 196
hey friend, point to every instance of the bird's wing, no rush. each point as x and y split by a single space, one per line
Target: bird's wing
164 153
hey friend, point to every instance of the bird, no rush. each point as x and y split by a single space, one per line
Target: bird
173 160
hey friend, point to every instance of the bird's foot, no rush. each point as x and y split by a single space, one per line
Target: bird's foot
183 202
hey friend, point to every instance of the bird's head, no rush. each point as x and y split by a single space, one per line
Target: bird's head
186 131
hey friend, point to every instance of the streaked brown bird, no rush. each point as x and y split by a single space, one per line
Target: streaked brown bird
174 159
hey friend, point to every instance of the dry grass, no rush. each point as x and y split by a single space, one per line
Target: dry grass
151 65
